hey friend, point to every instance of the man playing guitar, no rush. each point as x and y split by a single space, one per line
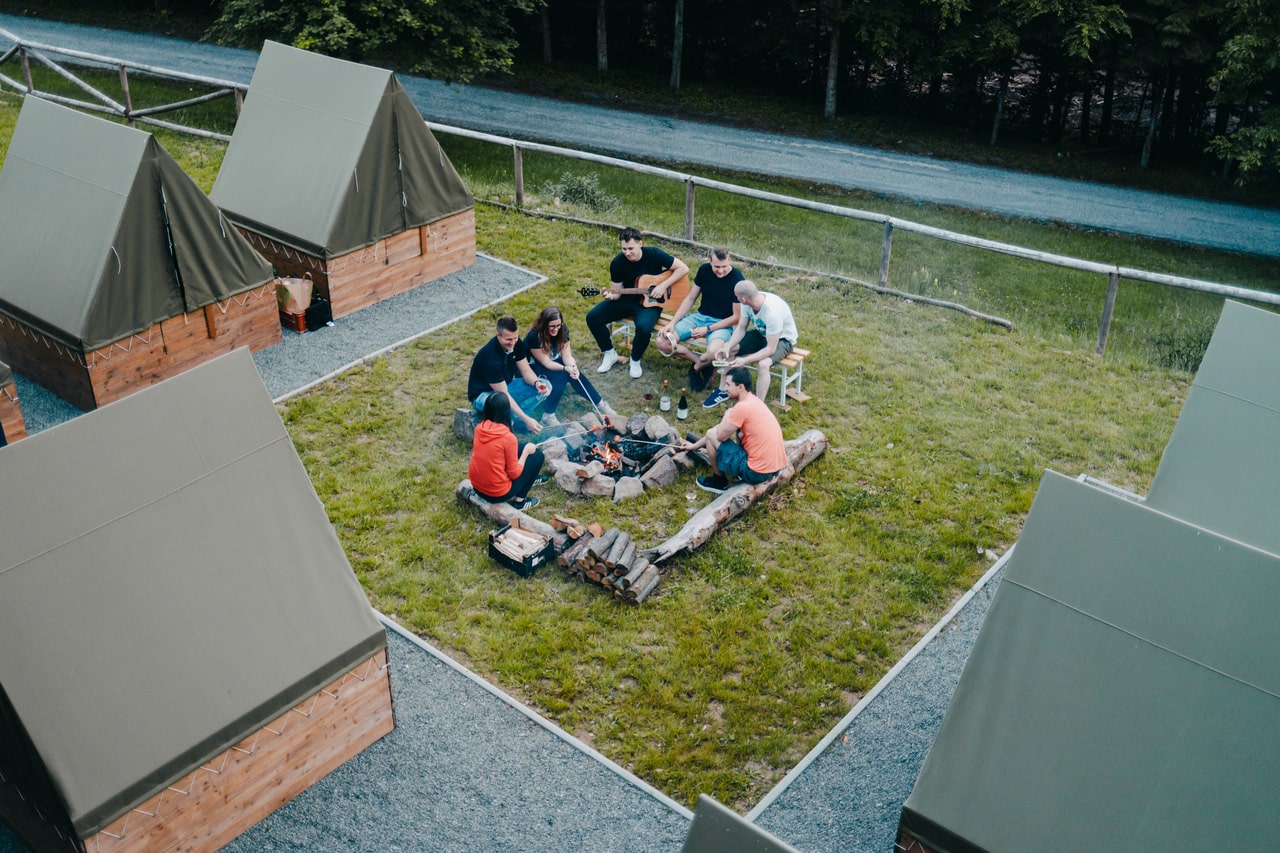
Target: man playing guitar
642 305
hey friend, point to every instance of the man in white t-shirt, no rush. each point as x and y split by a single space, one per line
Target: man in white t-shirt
765 335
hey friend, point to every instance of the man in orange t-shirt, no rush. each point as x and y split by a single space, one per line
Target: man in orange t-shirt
759 455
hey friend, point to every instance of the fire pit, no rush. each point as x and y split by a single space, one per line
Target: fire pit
618 461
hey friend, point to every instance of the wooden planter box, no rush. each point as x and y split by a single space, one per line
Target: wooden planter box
89 380
231 792
11 420
390 266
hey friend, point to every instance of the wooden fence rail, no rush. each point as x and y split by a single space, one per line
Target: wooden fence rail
223 88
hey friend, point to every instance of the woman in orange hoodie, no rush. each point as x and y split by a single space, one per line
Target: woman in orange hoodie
501 468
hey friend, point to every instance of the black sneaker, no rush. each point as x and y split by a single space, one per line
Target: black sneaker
698 379
523 504
717 397
716 483
542 479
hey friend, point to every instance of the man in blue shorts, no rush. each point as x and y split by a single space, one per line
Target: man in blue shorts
747 444
714 321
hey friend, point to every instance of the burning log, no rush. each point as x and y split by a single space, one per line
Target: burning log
728 506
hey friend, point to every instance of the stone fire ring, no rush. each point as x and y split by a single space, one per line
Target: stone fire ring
589 478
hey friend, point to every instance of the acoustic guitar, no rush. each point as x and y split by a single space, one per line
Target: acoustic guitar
644 287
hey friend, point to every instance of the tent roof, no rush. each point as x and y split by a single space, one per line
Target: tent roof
162 600
1221 468
329 156
88 259
1122 693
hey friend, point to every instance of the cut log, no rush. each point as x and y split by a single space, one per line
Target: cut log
645 590
595 528
620 543
647 577
571 554
704 523
504 512
637 569
623 564
600 546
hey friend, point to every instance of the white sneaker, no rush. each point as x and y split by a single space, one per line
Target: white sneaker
609 360
550 419
636 370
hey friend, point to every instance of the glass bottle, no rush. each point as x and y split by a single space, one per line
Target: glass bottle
682 408
665 403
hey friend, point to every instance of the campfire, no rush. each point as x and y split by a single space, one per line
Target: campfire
600 460
620 456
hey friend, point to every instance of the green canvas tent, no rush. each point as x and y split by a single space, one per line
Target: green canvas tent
163 598
103 235
330 156
1221 468
1122 692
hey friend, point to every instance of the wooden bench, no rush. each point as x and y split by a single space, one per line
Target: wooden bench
789 372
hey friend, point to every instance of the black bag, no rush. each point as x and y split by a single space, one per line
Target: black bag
319 314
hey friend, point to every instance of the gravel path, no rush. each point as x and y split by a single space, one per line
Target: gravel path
660 138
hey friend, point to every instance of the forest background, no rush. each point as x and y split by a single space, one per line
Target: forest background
1171 95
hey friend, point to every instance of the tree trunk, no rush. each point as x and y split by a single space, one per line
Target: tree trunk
546 34
1157 97
602 38
704 523
995 122
833 66
1108 101
677 45
1086 104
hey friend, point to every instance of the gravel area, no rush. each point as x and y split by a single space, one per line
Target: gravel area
850 794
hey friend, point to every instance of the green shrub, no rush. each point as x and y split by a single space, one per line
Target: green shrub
580 191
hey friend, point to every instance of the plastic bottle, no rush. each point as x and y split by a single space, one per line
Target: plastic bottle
682 408
665 402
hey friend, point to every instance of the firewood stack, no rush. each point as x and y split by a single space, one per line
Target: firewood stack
607 558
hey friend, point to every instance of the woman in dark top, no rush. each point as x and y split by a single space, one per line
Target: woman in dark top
501 468
552 358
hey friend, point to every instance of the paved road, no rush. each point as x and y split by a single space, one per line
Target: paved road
1174 218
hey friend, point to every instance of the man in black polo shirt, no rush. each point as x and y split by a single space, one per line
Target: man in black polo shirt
633 261
494 369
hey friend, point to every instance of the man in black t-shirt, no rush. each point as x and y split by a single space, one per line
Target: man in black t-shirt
712 324
494 369
633 261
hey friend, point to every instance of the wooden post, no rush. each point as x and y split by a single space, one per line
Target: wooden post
26 70
519 158
885 251
688 208
239 95
1113 285
128 101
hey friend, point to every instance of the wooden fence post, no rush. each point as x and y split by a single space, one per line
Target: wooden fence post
1104 330
688 209
885 251
519 161
128 101
26 69
239 96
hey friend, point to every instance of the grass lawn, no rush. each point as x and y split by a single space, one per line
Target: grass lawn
756 644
